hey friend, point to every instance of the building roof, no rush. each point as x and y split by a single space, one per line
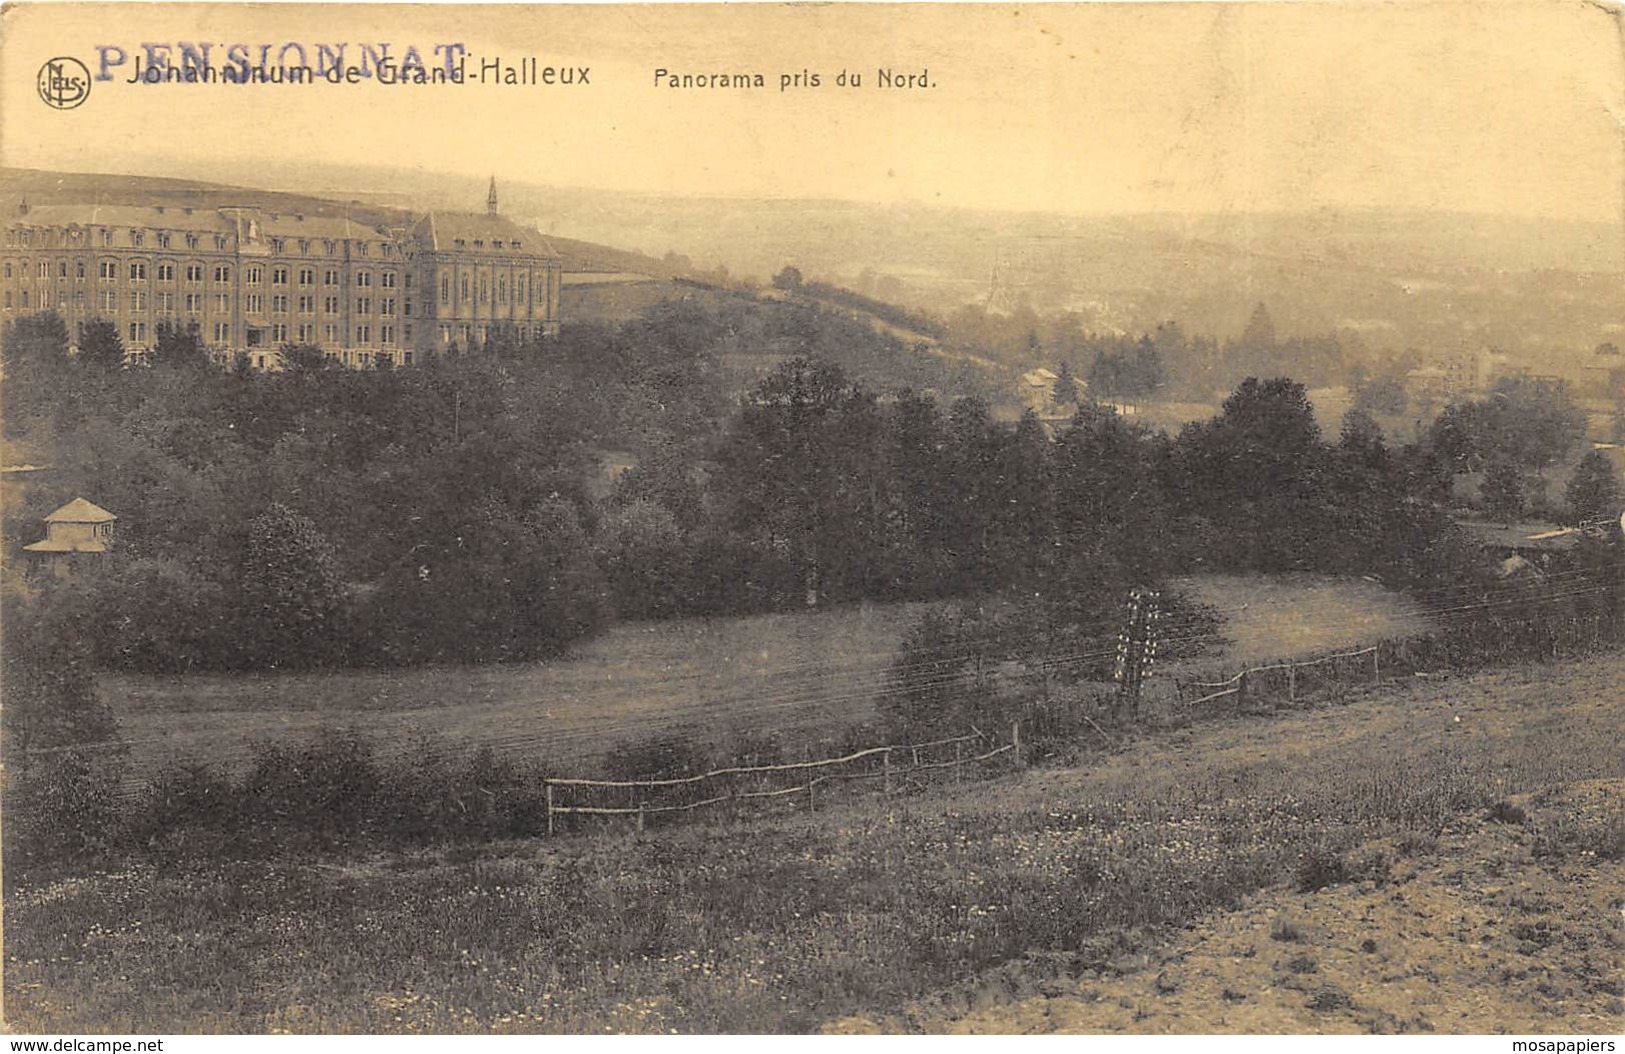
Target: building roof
305 225
80 511
1525 536
67 545
150 216
441 231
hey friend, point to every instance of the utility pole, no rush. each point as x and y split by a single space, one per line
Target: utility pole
1137 646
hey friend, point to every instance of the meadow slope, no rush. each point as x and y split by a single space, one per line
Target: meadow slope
1128 891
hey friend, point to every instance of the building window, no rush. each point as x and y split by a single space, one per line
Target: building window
406 357
409 279
386 335
485 291
406 310
479 243
279 276
330 277
109 301
107 236
465 288
445 334
222 332
138 300
496 243
386 307
219 241
330 305
277 245
363 305
138 332
445 289
253 303
279 305
191 241
222 275
138 271
8 268
307 332
307 276
166 303
307 305
166 272
387 279
44 269
109 270
363 334
163 239
253 276
62 269
363 279
502 290
304 246
361 248
279 332
136 237
194 274
44 298
222 303
79 270
194 303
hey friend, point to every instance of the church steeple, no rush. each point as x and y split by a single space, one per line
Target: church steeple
491 199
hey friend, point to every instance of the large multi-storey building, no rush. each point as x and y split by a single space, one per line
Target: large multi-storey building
253 280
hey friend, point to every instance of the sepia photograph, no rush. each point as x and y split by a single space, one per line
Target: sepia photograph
813 519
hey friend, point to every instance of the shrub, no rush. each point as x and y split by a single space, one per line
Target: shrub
1319 867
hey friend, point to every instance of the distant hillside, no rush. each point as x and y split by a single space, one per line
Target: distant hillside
49 188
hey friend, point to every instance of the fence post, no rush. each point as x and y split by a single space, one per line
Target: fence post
1241 689
959 773
640 816
1291 683
885 772
548 787
812 801
1015 741
1375 669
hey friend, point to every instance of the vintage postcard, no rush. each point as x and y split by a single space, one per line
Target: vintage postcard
850 518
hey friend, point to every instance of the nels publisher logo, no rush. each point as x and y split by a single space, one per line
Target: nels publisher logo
64 83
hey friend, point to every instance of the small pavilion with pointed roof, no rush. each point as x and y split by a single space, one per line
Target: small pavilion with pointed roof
77 527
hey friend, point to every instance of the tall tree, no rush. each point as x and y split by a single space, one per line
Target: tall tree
1066 386
1502 491
100 346
178 346
290 591
1593 492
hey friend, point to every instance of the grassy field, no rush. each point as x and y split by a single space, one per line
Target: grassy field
806 676
1132 874
1286 616
803 674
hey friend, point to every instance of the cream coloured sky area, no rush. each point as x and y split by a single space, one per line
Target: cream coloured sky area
1491 106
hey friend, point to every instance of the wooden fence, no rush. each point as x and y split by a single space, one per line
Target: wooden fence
1242 683
738 784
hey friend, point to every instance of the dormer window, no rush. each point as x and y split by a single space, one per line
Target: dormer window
330 247
107 236
276 245
516 245
458 242
163 239
479 243
191 240
496 244
136 236
304 246
219 241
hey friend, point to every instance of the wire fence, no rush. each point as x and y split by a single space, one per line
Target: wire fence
893 765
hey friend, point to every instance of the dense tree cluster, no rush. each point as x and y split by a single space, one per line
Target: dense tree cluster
457 510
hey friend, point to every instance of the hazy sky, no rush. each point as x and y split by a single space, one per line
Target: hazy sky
1498 107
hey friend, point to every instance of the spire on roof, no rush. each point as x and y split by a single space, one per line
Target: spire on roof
491 198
